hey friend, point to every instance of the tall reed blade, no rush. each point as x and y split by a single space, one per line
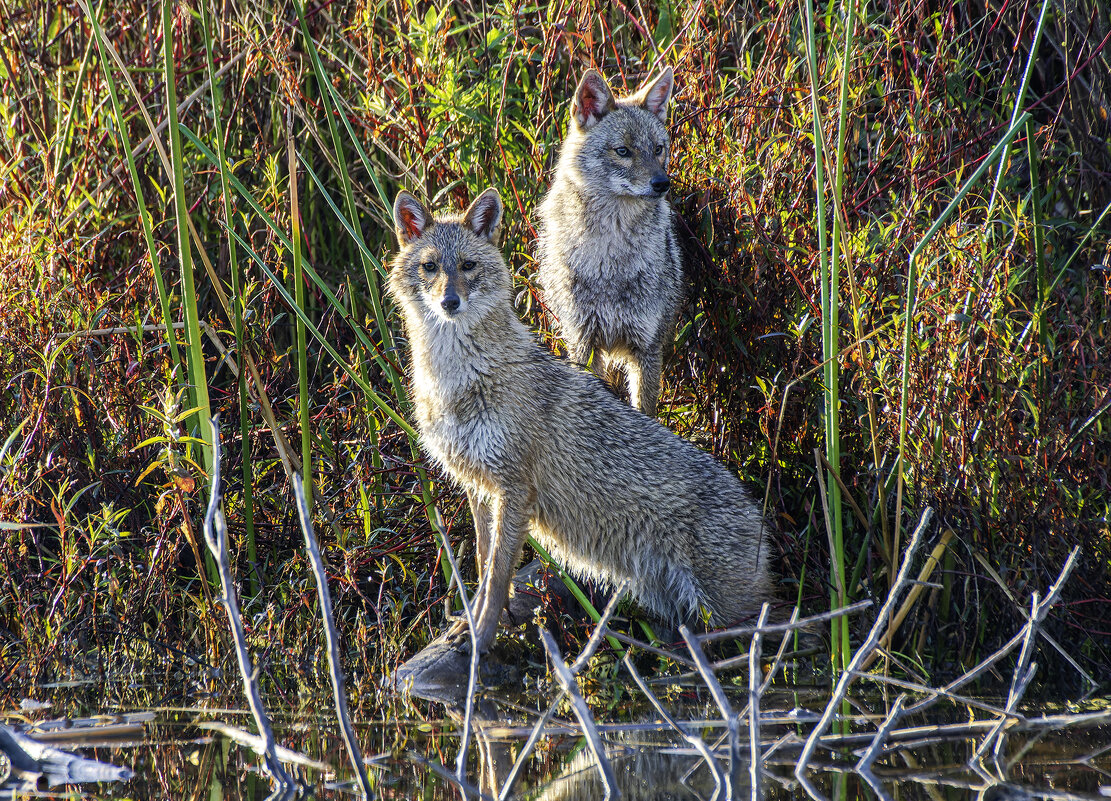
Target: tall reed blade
832 345
829 304
1039 253
198 379
299 297
996 153
1020 99
373 270
367 389
236 304
136 185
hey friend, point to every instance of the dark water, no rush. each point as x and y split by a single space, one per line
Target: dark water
174 753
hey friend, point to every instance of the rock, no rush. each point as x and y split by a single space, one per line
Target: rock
438 672
535 586
441 672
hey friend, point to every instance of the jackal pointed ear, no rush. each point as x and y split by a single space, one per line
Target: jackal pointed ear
593 100
484 214
410 217
654 96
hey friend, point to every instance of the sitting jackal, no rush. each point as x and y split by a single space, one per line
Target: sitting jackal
542 447
609 262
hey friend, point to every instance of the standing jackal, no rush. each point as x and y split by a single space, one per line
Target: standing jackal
609 262
542 447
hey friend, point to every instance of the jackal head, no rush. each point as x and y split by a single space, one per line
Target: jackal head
449 266
622 143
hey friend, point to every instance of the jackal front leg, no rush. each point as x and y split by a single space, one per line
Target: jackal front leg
578 351
602 365
509 516
644 381
480 514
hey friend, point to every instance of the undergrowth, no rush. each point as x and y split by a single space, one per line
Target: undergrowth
102 458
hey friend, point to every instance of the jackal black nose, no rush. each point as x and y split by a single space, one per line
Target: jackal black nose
450 304
660 184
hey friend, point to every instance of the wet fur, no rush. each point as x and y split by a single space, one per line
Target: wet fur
545 448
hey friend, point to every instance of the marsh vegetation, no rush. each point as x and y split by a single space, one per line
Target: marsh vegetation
897 243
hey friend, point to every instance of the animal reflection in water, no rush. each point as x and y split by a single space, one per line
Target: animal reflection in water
641 765
643 774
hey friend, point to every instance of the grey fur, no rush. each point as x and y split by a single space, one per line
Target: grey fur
542 447
609 262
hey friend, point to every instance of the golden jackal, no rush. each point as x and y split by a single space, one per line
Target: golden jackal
542 447
609 262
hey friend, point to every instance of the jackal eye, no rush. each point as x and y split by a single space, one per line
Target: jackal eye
659 149
429 267
622 151
468 266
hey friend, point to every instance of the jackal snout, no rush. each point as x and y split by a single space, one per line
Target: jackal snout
451 301
448 281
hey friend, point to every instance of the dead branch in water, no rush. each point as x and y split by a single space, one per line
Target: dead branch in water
582 712
216 536
332 637
583 658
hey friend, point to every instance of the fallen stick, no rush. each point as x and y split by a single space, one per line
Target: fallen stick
582 712
864 764
898 739
538 730
754 690
1020 679
792 625
772 671
720 780
919 587
777 663
254 742
951 730
28 759
463 785
1021 636
1092 683
955 698
652 649
732 723
472 676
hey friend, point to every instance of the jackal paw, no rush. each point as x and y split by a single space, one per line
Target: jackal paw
458 634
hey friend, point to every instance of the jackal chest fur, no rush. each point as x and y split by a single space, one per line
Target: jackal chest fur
617 280
454 393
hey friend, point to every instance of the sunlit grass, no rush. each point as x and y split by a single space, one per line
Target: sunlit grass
943 331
